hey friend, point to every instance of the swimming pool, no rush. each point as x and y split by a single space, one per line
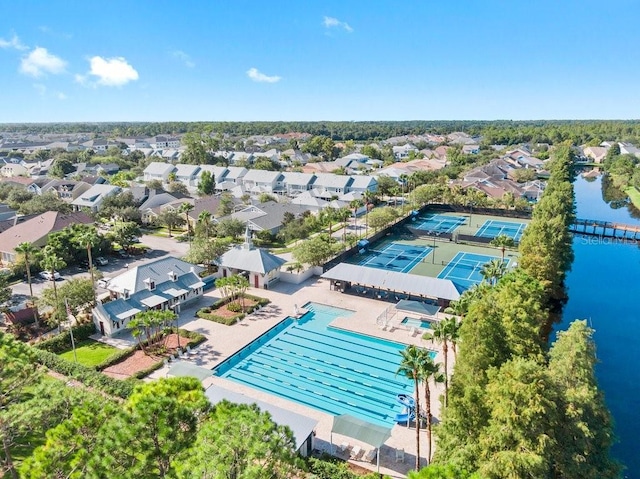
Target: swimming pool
416 323
334 371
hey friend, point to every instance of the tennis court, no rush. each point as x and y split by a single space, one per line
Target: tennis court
439 223
464 269
493 228
397 257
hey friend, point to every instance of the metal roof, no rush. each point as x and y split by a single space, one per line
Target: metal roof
393 281
301 426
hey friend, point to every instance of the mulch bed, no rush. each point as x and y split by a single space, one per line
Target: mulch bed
225 313
140 360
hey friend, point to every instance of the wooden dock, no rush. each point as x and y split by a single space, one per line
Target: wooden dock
606 229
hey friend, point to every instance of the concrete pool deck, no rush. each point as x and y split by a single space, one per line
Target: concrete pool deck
223 341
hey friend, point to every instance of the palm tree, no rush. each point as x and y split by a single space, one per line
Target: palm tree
428 370
88 239
355 205
343 215
441 332
185 208
503 242
493 271
204 220
410 367
51 263
367 196
403 178
28 250
454 333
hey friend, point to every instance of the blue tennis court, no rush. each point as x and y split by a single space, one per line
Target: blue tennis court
464 269
397 257
439 223
493 228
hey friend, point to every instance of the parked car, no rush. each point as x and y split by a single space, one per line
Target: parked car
102 261
122 253
48 276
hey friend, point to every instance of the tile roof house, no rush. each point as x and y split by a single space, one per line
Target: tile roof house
259 266
36 231
218 172
94 196
66 190
596 153
9 170
362 183
163 284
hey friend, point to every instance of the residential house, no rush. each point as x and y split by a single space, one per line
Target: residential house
297 183
11 170
362 183
66 190
186 174
150 215
218 173
232 179
240 157
259 266
97 145
267 216
164 284
156 199
310 202
597 154
293 157
36 231
471 149
262 181
328 185
94 196
403 152
6 212
629 149
158 171
161 142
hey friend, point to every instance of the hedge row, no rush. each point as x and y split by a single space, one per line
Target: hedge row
62 342
194 340
208 311
86 375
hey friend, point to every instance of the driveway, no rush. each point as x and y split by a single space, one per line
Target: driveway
165 246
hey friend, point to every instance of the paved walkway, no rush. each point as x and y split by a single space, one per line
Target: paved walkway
224 341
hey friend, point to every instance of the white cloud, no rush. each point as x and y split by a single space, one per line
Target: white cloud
61 96
183 57
40 62
260 77
14 43
109 71
332 22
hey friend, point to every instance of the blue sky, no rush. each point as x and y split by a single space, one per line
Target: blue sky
310 60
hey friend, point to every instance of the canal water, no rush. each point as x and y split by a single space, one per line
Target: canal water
604 289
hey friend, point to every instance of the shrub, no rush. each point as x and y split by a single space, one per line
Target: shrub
327 467
62 342
208 312
234 307
86 375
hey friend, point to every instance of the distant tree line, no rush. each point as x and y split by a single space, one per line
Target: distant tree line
493 132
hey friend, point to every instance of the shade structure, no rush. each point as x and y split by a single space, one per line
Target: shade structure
361 430
417 307
183 369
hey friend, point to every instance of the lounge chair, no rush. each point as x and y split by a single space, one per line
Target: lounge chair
343 447
399 455
355 452
370 455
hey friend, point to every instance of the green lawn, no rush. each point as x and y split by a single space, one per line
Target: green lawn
90 352
634 195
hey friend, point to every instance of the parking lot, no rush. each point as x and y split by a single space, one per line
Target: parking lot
158 248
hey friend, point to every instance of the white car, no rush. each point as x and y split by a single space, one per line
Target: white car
102 261
48 276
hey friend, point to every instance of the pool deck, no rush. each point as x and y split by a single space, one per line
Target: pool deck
223 341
